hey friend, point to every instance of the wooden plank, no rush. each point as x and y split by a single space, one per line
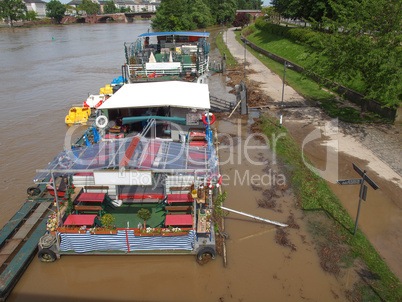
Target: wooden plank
15 221
3 259
18 264
10 246
32 220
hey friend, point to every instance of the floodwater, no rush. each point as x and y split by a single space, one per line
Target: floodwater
380 217
44 71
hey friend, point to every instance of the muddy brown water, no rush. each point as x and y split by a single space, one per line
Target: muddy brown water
380 216
40 79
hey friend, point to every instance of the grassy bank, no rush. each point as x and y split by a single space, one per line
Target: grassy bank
315 197
230 60
309 89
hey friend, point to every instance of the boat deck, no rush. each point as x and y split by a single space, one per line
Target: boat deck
19 240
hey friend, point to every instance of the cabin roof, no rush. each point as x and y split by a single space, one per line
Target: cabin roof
160 94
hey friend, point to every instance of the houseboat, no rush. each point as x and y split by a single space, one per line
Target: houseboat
167 56
146 185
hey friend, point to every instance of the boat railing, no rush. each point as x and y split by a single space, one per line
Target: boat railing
150 123
140 69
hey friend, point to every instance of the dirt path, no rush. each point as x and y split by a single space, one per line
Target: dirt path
376 149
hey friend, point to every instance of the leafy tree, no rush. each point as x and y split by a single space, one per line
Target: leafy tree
124 10
12 10
89 6
366 44
226 11
192 14
110 7
171 15
249 4
200 14
306 9
31 15
144 214
55 9
241 20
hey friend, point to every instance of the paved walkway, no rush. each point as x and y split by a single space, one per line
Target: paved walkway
375 148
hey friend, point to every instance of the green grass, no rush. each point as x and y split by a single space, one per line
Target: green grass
314 195
230 60
306 87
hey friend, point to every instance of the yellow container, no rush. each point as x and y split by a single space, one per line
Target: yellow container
106 90
78 115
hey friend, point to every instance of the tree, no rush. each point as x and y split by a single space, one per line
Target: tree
144 214
365 44
89 6
55 9
241 20
31 15
200 15
110 8
226 11
312 10
171 16
12 10
124 9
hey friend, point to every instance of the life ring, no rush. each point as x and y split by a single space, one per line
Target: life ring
218 184
211 120
101 121
205 251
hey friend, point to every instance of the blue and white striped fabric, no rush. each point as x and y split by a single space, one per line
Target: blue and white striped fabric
82 243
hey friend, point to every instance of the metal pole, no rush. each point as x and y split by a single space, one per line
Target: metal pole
255 217
360 202
244 58
58 216
283 92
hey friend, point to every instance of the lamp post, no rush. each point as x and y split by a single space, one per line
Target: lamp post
245 58
283 90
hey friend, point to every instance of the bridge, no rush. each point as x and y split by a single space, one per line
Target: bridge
103 18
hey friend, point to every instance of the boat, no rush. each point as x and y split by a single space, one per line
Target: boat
147 185
81 114
77 115
167 56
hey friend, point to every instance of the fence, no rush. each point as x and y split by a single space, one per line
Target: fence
354 96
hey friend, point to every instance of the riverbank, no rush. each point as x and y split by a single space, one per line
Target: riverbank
304 120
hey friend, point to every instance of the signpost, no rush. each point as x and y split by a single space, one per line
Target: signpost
363 188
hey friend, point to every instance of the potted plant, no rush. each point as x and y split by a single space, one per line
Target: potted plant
144 214
150 232
174 231
107 227
73 229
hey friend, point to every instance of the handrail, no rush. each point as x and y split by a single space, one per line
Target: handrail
148 126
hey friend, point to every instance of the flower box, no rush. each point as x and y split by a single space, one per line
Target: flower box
147 234
174 234
71 231
104 232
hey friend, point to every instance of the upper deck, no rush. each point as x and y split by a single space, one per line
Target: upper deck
166 56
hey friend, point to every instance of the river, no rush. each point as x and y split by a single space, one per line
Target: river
47 69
